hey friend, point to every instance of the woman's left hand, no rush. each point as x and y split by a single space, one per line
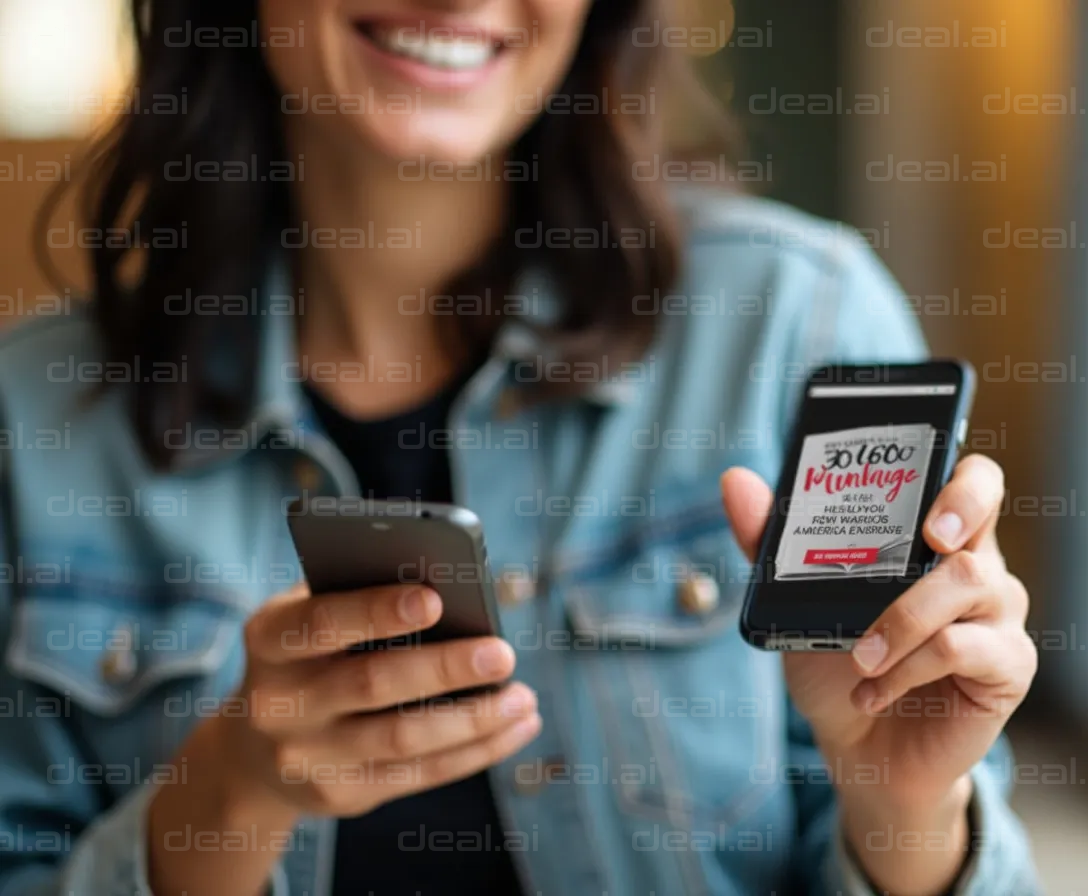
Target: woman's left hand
925 693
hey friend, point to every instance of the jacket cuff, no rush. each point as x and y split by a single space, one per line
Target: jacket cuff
1001 861
112 854
999 864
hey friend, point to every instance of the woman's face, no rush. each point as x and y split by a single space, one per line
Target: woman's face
450 80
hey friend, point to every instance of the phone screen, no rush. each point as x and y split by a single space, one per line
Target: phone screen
865 455
871 448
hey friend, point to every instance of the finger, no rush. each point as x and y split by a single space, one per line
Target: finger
424 729
301 628
747 499
965 513
461 762
388 678
996 669
296 592
960 588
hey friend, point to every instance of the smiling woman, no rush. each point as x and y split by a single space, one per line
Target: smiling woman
423 252
384 88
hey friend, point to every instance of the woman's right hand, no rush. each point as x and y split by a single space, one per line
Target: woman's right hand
316 730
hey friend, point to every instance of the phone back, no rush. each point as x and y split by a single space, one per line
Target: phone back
351 543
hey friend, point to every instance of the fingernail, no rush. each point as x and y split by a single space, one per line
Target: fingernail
947 527
492 659
418 606
869 652
528 728
517 703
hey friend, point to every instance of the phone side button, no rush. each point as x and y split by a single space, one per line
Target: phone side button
961 433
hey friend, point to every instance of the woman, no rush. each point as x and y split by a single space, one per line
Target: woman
398 248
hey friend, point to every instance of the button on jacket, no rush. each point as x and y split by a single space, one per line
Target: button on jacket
670 759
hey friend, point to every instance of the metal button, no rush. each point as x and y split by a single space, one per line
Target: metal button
530 777
307 475
698 593
508 404
118 665
515 587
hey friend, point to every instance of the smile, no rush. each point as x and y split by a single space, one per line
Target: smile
450 56
437 47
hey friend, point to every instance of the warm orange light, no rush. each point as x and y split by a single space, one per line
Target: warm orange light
64 65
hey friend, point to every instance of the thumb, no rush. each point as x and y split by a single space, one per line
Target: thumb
747 499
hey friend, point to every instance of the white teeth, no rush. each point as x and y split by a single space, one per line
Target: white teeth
460 52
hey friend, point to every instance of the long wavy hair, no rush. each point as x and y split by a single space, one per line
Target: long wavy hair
232 228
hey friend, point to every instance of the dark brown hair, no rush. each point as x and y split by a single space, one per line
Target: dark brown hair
232 110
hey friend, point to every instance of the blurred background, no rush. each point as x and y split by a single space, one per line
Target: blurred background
951 132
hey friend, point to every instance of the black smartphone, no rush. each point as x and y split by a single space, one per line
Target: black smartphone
871 448
349 543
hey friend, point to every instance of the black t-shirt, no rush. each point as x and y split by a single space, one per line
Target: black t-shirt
385 852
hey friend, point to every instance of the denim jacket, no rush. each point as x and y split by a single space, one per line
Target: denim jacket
670 759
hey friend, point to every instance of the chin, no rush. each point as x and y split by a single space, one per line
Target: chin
445 92
406 80
462 141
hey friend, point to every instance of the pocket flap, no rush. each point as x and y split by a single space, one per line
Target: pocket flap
108 655
670 596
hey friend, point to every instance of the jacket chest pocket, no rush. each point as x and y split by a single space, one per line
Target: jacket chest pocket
690 715
132 671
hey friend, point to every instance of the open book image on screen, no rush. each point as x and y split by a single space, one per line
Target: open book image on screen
855 501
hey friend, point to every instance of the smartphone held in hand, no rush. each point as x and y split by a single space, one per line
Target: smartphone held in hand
347 544
871 448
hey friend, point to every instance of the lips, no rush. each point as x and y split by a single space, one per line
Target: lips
445 48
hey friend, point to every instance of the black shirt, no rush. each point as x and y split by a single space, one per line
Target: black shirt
385 852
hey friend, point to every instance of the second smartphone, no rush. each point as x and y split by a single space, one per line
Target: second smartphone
871 449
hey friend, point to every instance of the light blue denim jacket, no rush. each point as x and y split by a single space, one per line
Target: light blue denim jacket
670 759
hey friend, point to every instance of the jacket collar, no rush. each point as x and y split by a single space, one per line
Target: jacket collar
280 405
279 393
